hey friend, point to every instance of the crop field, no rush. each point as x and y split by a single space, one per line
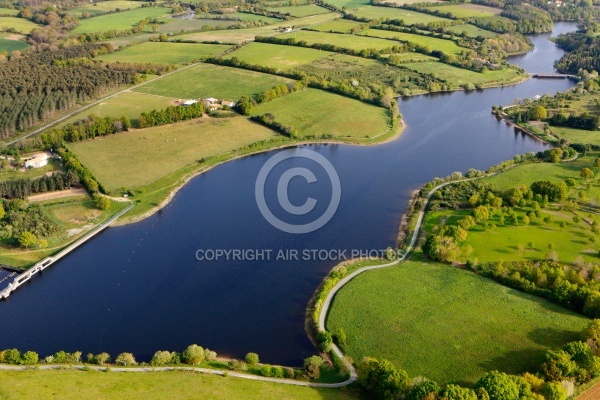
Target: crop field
349 4
208 80
10 45
253 17
128 104
20 25
105 6
277 56
119 21
165 52
150 154
301 11
341 40
459 76
448 324
75 385
338 26
410 17
8 11
447 46
574 135
403 2
414 57
176 25
468 10
472 31
316 112
243 35
128 40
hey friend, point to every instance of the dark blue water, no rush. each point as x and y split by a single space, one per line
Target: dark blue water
139 288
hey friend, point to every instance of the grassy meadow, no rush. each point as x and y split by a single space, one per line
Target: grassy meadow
20 25
316 112
165 52
337 26
459 76
119 21
301 11
128 104
472 31
447 46
341 40
8 11
573 135
10 45
146 155
244 35
75 385
447 324
177 25
105 6
468 10
208 80
277 56
410 17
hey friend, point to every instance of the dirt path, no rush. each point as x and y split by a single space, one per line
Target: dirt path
591 394
57 195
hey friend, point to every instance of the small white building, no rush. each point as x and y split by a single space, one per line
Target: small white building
210 100
37 160
228 103
190 102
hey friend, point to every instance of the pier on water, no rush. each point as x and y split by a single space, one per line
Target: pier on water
48 261
555 76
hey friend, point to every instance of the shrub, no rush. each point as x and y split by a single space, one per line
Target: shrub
237 365
382 379
455 392
11 356
554 391
325 340
161 357
499 386
125 360
289 372
30 358
252 359
312 367
422 390
210 355
266 370
193 355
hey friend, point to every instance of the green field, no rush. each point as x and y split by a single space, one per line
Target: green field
253 17
414 57
341 40
573 135
8 11
21 25
472 31
277 56
468 10
459 76
349 4
176 25
119 21
76 385
105 6
9 45
447 324
447 46
165 52
10 173
316 112
244 35
150 154
301 11
338 26
410 17
208 80
128 104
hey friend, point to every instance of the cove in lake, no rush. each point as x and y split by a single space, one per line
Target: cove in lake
139 288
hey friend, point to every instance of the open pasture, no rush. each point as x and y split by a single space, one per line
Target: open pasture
119 21
277 56
165 53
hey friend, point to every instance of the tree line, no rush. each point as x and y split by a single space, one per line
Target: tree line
170 115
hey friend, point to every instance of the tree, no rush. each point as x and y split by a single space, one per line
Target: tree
382 379
312 367
325 340
499 386
210 355
538 113
422 390
586 173
558 365
455 392
193 354
481 214
554 391
103 203
161 357
125 360
597 162
27 239
29 358
252 359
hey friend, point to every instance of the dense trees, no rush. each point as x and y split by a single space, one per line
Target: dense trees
21 188
528 19
382 379
584 52
193 354
170 115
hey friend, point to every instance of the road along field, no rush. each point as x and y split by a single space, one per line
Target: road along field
165 53
140 157
447 324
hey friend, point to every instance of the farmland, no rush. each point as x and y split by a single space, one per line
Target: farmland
427 326
347 41
242 35
176 25
410 17
301 11
150 154
207 80
10 45
573 135
8 11
165 52
20 25
458 76
316 112
105 6
338 26
468 10
128 104
349 4
447 46
75 385
472 31
119 21
276 56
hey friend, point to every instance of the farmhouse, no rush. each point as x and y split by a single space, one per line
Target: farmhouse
228 103
190 102
210 100
37 160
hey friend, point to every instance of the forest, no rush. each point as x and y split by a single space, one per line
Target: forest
584 50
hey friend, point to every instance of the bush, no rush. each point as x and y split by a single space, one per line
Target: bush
325 340
237 365
210 355
499 386
98 359
289 372
161 357
312 367
193 355
11 356
102 203
125 360
554 391
266 370
29 358
455 392
382 379
252 359
422 390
